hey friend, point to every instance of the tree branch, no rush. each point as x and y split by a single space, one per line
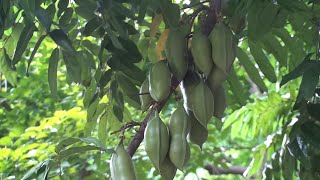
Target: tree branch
139 136
207 25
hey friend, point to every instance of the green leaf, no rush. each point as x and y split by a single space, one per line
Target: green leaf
29 8
129 51
308 84
62 40
77 150
142 10
34 169
96 111
6 140
62 6
105 78
120 9
237 88
130 28
299 70
102 128
86 54
313 110
288 164
311 131
91 140
131 92
35 49
66 17
118 112
44 18
65 143
130 70
272 45
91 110
86 8
263 62
85 69
295 46
51 11
251 69
260 11
70 141
90 92
171 13
257 161
91 26
116 43
6 69
52 71
299 149
73 67
23 42
113 123
119 27
117 100
93 48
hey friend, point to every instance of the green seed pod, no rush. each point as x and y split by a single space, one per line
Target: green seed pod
190 81
160 81
216 78
220 102
198 133
145 99
156 140
178 128
167 169
179 122
202 102
175 50
121 166
223 47
201 52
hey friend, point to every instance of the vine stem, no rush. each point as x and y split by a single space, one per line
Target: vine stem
139 136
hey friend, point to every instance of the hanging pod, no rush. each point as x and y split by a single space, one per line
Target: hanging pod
156 140
121 166
160 81
216 78
220 101
202 102
198 133
145 97
167 169
178 128
201 52
190 81
223 47
175 51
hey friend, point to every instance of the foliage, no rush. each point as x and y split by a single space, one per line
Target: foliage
86 60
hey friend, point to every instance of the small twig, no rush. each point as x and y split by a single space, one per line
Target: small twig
128 125
193 5
144 93
194 14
